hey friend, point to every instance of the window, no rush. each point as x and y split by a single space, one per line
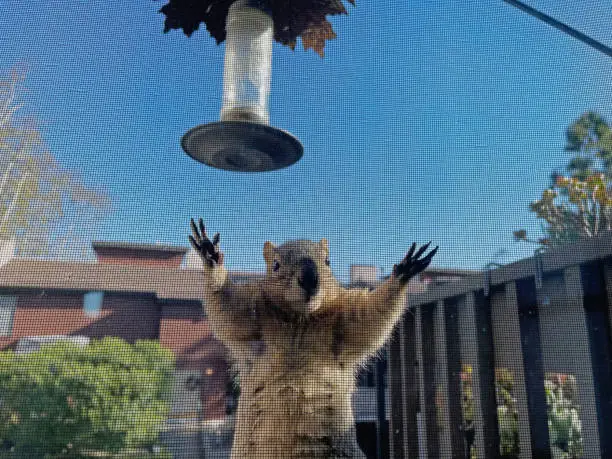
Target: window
8 305
92 304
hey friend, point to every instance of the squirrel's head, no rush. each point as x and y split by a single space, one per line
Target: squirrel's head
298 274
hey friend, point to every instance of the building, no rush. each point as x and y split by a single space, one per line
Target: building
148 291
133 291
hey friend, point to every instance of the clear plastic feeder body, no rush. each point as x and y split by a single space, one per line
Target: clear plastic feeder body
248 64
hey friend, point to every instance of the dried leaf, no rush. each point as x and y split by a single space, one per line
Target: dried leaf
292 19
315 37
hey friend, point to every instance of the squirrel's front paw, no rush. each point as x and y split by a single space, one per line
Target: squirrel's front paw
412 264
207 249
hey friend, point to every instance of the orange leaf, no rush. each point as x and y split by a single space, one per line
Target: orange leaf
314 37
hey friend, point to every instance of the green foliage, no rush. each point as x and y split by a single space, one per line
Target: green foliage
590 139
66 400
37 194
578 205
573 209
564 425
507 412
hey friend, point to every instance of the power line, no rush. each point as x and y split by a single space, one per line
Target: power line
562 27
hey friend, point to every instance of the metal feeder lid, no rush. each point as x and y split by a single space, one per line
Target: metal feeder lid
242 146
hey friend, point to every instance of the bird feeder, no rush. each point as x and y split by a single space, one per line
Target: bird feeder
243 140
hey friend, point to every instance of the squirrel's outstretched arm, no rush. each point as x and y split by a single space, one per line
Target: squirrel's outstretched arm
366 318
229 306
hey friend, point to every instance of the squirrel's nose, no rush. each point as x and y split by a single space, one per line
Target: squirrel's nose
309 277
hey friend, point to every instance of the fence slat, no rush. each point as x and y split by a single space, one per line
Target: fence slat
468 333
534 367
428 367
453 353
394 374
410 387
606 305
572 305
508 354
486 374
598 326
441 376
607 273
421 416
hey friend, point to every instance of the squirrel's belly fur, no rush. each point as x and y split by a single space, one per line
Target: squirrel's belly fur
297 379
305 413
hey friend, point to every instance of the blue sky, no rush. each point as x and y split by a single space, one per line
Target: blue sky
426 120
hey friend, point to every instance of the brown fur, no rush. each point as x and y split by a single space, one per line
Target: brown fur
297 355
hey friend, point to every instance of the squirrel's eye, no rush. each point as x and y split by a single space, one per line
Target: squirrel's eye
275 265
327 261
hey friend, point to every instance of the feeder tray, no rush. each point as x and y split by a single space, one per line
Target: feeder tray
242 146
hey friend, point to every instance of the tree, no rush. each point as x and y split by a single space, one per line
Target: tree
590 138
573 209
579 204
40 199
66 400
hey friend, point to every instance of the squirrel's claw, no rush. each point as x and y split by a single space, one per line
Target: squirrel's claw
412 264
202 229
207 249
423 249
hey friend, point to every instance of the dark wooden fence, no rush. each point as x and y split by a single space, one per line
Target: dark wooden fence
542 325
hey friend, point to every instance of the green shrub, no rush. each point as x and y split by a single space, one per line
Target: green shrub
507 411
65 400
564 425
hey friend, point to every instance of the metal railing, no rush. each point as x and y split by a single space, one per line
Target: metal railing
489 366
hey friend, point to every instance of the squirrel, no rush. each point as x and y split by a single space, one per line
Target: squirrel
298 338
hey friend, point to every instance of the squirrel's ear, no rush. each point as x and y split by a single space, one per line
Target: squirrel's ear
268 252
324 245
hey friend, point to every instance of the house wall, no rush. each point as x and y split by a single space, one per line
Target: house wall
57 313
185 330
